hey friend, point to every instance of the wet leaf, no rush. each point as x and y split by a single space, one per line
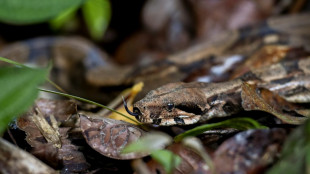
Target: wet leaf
250 151
268 102
97 14
33 11
149 143
237 123
109 137
167 159
18 91
295 154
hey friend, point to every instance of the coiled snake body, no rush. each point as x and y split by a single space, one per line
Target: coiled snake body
189 103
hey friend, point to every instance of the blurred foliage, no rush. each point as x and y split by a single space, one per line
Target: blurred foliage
18 90
33 11
167 159
295 156
96 13
63 18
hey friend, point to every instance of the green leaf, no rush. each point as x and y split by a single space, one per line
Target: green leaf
149 143
18 91
97 14
167 159
237 123
63 18
295 156
33 11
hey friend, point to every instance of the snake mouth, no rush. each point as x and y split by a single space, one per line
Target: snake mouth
171 121
180 120
137 113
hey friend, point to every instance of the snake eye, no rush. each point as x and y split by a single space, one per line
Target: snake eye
170 106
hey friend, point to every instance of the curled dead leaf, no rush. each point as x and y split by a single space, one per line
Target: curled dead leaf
264 100
109 137
51 114
249 151
48 136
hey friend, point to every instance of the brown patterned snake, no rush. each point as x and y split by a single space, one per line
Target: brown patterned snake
83 70
189 103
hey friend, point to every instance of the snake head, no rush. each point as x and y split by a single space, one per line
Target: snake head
172 104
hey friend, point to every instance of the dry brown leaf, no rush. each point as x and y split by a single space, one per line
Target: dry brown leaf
265 56
109 137
249 152
49 132
49 141
60 110
269 102
214 17
269 55
17 161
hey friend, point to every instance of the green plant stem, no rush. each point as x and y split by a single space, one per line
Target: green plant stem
63 93
237 123
13 62
88 101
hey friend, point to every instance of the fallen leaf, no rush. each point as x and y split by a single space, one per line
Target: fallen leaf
48 140
61 110
16 160
295 154
265 56
196 145
229 14
270 102
250 151
109 137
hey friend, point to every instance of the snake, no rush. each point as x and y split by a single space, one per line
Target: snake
87 71
188 103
